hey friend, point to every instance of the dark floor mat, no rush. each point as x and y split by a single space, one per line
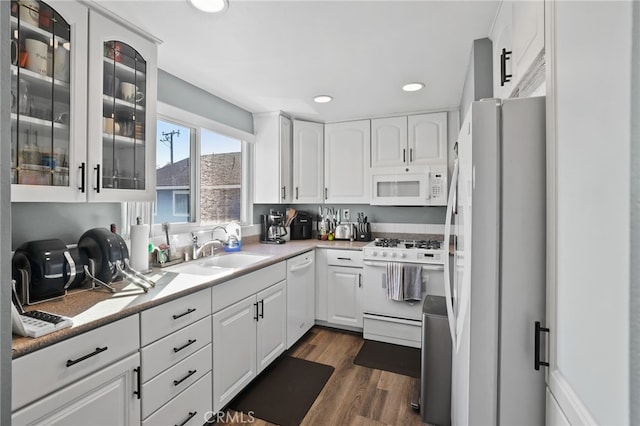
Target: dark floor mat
389 357
285 391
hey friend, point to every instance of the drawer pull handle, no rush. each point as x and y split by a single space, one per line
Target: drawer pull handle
189 374
190 310
191 414
344 258
189 343
71 362
138 391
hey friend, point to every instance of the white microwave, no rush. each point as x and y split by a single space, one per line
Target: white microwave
409 186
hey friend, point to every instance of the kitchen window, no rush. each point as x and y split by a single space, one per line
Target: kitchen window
201 172
173 172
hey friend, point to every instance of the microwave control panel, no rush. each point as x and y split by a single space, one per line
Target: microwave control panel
438 185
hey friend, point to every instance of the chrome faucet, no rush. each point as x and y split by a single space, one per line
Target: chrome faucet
197 249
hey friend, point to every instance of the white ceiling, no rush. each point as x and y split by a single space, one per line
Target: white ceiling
276 55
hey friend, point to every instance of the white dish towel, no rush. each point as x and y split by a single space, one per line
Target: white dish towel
394 281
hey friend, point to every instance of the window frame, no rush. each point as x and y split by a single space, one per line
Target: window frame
166 112
173 203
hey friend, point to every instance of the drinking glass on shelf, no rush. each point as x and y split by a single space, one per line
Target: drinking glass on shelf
24 98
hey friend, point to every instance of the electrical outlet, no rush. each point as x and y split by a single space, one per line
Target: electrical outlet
345 215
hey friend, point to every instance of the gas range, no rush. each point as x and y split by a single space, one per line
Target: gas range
413 251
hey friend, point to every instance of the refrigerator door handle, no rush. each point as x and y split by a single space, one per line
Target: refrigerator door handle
536 362
447 237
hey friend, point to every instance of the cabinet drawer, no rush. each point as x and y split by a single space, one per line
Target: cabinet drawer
230 292
106 397
43 371
351 258
188 408
163 320
176 379
165 352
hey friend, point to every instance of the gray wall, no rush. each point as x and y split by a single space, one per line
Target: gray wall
478 83
66 221
380 214
186 96
5 220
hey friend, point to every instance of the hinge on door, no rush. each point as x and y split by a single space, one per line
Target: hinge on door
536 361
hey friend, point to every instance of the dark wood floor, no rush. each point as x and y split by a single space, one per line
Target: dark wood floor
354 395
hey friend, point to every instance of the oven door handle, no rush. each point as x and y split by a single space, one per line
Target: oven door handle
428 267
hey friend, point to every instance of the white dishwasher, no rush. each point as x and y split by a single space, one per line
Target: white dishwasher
301 303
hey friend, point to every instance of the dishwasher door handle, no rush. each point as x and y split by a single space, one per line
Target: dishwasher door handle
304 265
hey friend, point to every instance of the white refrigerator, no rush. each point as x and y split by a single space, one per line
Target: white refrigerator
496 214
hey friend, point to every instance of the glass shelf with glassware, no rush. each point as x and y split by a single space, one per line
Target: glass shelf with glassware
40 94
117 102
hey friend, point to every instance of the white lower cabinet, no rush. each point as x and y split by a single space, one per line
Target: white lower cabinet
107 397
249 335
249 329
345 296
339 288
191 408
176 355
271 326
91 378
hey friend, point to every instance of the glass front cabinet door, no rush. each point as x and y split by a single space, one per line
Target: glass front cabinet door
122 111
48 100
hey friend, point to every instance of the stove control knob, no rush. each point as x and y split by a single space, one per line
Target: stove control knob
394 254
384 254
374 253
403 255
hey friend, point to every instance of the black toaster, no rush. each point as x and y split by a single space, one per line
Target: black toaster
44 270
301 226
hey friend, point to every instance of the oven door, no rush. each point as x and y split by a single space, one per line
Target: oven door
375 291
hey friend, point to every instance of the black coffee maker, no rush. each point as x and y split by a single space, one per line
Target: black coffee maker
301 226
272 228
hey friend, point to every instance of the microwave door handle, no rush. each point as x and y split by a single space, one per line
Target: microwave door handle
428 195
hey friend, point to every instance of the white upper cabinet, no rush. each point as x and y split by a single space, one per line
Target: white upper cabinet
416 140
518 40
427 136
83 113
122 113
346 162
527 37
48 101
308 176
388 141
273 181
502 52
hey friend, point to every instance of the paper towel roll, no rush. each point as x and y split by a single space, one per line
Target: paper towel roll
139 256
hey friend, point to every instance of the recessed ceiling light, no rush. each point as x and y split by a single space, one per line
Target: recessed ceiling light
210 6
412 87
322 99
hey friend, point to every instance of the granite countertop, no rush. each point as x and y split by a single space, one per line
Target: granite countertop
90 309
